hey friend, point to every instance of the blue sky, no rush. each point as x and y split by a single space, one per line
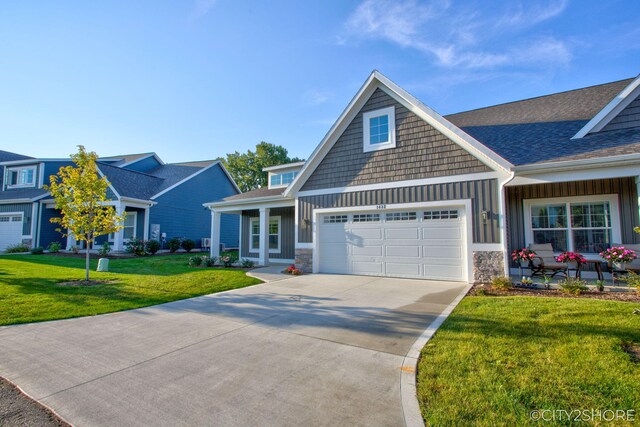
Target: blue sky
198 79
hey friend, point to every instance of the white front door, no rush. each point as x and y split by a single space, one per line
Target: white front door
413 243
10 230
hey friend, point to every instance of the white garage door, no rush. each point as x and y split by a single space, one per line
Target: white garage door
427 244
10 230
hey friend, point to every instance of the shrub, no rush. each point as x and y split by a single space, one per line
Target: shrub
188 245
75 249
104 249
292 269
195 261
600 285
54 247
135 246
174 244
207 261
247 263
501 283
633 280
573 286
152 246
38 250
17 248
227 259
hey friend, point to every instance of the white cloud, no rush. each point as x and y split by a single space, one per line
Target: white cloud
202 7
316 96
461 35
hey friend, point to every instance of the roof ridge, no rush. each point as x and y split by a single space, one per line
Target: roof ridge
538 97
131 170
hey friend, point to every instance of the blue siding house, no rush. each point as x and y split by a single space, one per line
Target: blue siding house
161 201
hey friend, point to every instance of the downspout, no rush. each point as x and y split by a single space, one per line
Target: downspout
503 222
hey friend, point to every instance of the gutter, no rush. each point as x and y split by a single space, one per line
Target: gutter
578 164
250 201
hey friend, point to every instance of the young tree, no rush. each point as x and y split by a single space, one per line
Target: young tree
81 196
246 168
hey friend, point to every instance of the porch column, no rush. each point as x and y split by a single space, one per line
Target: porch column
118 236
215 233
264 237
71 240
638 190
145 232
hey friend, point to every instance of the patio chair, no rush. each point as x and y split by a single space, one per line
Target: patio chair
545 261
635 264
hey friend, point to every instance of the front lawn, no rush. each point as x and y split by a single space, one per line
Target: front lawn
29 290
496 359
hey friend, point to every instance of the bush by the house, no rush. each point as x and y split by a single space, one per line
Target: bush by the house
104 249
501 283
174 244
227 259
38 250
54 247
247 263
135 246
208 261
195 261
573 286
152 246
17 248
188 245
74 249
633 280
292 269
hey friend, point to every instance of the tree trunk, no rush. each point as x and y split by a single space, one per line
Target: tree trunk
87 261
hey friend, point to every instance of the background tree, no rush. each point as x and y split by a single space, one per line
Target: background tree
80 195
246 168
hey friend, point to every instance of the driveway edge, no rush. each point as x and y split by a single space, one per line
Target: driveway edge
408 390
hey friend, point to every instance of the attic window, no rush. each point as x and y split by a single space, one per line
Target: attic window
379 129
21 177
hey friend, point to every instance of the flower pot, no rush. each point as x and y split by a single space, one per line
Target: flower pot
572 265
620 265
524 264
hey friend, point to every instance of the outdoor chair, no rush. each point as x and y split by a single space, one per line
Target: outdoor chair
635 264
545 261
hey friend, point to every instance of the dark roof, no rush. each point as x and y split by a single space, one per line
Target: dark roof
260 192
24 193
128 183
173 173
125 158
7 156
579 104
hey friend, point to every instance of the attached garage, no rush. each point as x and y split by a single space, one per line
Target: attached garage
10 229
413 243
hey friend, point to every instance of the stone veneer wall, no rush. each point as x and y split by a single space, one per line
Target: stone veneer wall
304 260
486 265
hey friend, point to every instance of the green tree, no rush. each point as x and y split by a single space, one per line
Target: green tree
246 168
81 197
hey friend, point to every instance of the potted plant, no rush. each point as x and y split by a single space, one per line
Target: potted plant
600 285
526 282
547 281
572 259
522 257
618 256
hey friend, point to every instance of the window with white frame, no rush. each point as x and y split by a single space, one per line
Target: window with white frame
335 219
587 225
130 223
24 176
379 129
274 234
401 216
282 179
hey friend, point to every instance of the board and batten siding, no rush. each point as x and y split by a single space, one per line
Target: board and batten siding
483 195
421 152
26 209
287 234
625 188
627 118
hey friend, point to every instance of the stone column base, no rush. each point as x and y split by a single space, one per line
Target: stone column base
304 260
487 265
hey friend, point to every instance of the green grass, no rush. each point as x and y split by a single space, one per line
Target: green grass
29 290
496 359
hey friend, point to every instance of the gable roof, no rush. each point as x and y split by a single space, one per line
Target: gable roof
378 80
8 156
127 159
132 184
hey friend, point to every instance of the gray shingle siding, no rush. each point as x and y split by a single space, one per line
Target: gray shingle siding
627 118
483 195
287 223
421 152
180 212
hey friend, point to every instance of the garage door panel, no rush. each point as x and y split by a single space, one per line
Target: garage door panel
442 233
412 251
402 233
363 267
443 272
335 249
333 233
402 269
10 230
367 250
454 252
366 233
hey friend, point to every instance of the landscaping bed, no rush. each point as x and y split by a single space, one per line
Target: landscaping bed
498 358
17 409
619 294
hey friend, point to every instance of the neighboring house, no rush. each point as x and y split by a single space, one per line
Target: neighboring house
395 189
160 200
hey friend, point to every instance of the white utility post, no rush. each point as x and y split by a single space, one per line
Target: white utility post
118 236
215 233
264 237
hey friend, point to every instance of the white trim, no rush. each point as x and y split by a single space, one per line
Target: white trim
240 237
253 249
139 159
41 175
280 174
576 175
29 161
19 169
34 214
102 175
399 184
463 203
612 109
502 221
390 112
217 162
134 214
145 231
21 214
257 203
612 199
581 164
377 80
285 166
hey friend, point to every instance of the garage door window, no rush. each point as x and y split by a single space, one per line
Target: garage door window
335 219
441 214
401 216
366 218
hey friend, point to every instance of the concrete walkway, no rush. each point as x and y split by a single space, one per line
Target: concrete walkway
311 350
271 273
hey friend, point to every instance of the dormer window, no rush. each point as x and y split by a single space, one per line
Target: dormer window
379 129
282 179
24 176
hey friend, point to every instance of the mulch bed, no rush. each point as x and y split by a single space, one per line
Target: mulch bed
534 292
84 283
17 409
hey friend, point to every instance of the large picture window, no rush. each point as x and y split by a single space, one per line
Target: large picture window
587 225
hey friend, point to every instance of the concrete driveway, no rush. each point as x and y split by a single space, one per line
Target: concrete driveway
311 350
